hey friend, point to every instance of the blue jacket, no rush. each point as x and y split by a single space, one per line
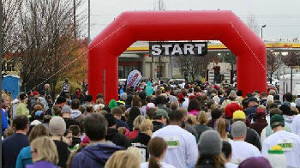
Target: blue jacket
24 158
94 155
4 122
250 112
43 164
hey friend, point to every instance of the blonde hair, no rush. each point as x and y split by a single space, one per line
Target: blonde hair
38 131
136 152
202 118
45 149
122 159
8 131
5 96
222 125
146 127
137 122
100 101
261 106
191 119
295 110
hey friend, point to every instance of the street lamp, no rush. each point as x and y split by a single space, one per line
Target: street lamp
89 22
261 31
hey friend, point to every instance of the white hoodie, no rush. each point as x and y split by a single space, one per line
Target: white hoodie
75 113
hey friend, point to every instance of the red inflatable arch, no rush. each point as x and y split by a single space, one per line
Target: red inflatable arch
175 25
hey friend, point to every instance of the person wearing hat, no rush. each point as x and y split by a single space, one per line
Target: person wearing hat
252 106
267 131
290 142
160 119
260 121
66 115
260 162
112 133
252 136
182 147
38 116
42 99
123 97
22 106
210 149
57 128
241 150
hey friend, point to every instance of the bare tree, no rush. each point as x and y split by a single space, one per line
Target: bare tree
195 65
47 33
10 31
292 59
273 63
159 5
252 23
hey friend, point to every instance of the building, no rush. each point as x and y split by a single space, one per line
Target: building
137 57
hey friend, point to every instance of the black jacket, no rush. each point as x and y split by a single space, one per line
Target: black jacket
114 136
200 129
63 153
141 138
157 125
253 138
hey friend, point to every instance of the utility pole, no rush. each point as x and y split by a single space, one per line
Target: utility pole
291 79
161 7
74 15
89 22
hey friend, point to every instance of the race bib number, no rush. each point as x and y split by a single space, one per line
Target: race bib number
143 150
286 144
173 142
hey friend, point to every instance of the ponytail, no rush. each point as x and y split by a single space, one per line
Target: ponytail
157 147
153 163
222 125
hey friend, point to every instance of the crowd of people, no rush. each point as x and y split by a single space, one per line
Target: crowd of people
152 125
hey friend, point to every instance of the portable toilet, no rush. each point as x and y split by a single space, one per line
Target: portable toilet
10 84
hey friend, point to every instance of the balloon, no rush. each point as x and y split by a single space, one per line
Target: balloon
174 26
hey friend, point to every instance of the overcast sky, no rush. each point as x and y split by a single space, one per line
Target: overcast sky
282 17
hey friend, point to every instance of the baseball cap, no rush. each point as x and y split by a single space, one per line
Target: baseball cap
252 99
35 93
161 112
277 120
38 113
